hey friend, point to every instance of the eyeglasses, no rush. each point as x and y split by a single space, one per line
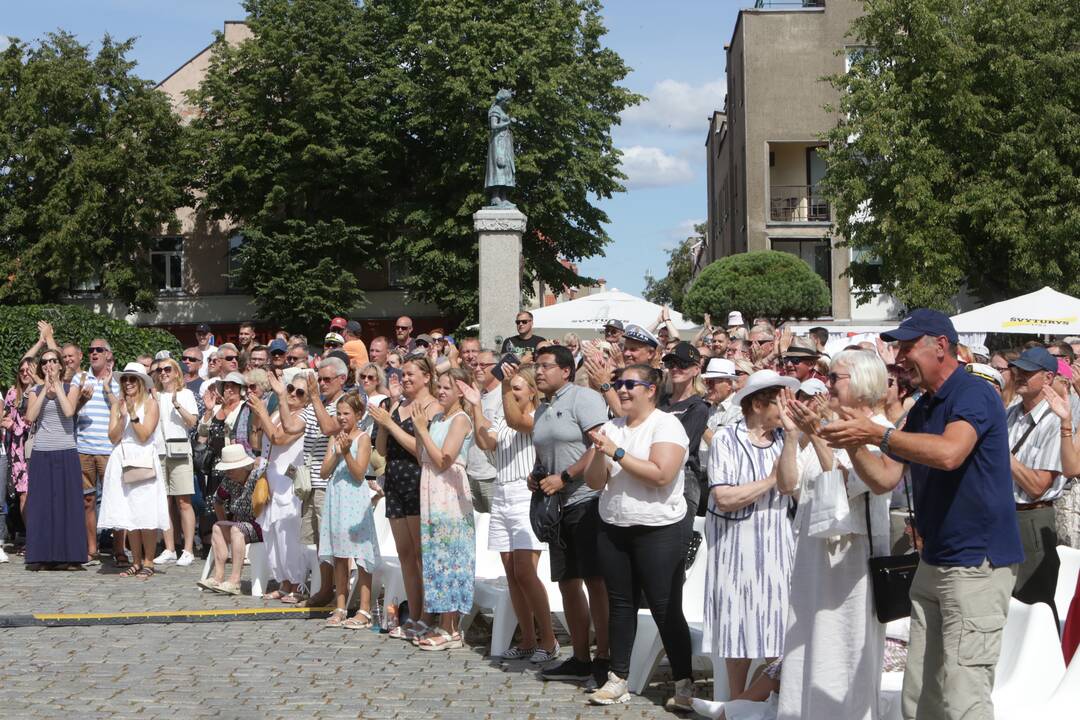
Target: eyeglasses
228 358
332 345
190 359
165 369
128 378
545 366
403 327
97 349
50 361
678 364
297 391
630 384
297 358
797 360
327 379
833 377
253 386
522 321
372 378
611 331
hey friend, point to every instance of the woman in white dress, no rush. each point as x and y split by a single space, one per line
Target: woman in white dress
748 533
283 453
142 507
834 645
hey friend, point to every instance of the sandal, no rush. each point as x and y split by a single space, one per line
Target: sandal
337 618
276 595
441 640
131 571
401 632
145 573
293 598
360 621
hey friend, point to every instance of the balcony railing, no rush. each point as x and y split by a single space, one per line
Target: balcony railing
788 4
797 203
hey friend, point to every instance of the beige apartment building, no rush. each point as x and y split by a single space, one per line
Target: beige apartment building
194 269
762 149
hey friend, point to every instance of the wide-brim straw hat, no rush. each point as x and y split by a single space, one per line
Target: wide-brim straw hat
136 369
763 380
233 457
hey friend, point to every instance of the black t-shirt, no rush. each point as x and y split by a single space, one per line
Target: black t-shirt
520 347
693 413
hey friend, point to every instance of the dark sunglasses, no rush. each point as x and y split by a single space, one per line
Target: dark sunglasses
797 360
332 345
297 391
681 364
522 322
297 358
372 378
403 327
229 358
163 370
190 359
50 361
253 386
97 349
630 384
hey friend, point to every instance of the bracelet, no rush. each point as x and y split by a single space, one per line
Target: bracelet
884 444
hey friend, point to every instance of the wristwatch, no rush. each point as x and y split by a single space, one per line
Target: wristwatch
884 444
565 477
604 387
618 455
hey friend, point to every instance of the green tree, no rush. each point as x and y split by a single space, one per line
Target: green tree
671 289
374 117
93 164
955 160
765 283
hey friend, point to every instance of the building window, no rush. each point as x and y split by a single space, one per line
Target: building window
872 263
235 243
397 271
816 252
89 286
167 264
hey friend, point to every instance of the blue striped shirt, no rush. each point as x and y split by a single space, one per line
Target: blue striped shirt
92 427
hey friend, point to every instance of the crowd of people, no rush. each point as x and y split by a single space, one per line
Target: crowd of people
802 464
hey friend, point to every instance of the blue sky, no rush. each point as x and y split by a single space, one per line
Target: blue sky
676 50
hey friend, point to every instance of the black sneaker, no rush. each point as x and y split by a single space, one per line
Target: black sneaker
572 669
600 671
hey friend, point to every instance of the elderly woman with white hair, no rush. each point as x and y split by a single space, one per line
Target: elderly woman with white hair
834 644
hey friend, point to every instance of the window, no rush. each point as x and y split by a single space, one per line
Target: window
871 262
89 286
235 243
167 264
816 252
396 272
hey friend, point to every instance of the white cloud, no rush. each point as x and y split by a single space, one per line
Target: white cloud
679 106
652 167
685 229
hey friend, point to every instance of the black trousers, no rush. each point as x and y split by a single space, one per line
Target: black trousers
1036 579
650 560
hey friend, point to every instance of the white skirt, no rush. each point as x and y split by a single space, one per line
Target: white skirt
132 506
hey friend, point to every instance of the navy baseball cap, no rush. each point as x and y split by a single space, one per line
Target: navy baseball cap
923 322
1036 358
278 345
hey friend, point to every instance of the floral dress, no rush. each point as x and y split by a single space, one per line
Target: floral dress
15 444
348 525
447 528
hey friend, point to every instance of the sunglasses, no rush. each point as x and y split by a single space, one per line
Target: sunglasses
192 359
252 386
50 361
229 358
297 391
630 384
833 377
97 349
327 379
332 344
403 327
297 358
372 378
680 364
163 370
522 322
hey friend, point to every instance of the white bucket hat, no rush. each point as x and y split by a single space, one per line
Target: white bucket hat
136 369
762 380
734 319
233 457
719 368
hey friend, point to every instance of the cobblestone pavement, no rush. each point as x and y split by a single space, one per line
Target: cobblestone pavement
259 670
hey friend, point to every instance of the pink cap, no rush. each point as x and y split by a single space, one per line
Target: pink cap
1065 369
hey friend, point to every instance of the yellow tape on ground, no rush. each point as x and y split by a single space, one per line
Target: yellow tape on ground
180 613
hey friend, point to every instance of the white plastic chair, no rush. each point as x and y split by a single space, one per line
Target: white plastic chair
260 567
1031 665
1066 582
1062 703
648 647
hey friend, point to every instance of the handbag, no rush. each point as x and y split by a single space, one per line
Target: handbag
830 511
301 481
545 512
260 494
891 575
138 468
177 448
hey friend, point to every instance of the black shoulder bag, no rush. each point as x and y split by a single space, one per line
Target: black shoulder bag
891 575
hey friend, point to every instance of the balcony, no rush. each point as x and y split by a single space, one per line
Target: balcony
787 4
797 204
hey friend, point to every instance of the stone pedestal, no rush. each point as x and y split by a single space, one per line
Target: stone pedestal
500 231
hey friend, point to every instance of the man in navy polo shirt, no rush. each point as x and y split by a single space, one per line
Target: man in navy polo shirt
956 444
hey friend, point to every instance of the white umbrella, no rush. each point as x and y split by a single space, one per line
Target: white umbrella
1045 311
586 315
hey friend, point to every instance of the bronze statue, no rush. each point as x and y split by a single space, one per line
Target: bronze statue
500 174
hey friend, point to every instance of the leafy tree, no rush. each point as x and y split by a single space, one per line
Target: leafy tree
373 117
955 160
74 324
765 283
670 289
93 164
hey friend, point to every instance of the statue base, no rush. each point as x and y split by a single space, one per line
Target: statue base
499 230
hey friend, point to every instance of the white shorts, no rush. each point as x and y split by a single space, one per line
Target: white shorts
510 528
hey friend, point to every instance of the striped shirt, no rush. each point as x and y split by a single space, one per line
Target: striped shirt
515 455
92 427
1042 448
315 443
55 430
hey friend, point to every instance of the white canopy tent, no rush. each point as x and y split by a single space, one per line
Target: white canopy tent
586 315
1043 312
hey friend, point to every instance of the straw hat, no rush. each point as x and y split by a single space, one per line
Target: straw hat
136 369
764 379
233 457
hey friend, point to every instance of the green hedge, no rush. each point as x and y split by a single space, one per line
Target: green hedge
74 324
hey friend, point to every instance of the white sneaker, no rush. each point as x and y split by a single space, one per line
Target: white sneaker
3 556
613 692
186 558
166 557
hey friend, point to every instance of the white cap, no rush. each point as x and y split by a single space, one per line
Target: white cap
980 350
719 368
763 379
813 386
735 318
986 372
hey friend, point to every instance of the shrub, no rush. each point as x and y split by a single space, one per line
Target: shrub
766 283
74 324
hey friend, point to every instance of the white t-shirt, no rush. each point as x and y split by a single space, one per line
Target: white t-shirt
626 500
170 423
204 369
